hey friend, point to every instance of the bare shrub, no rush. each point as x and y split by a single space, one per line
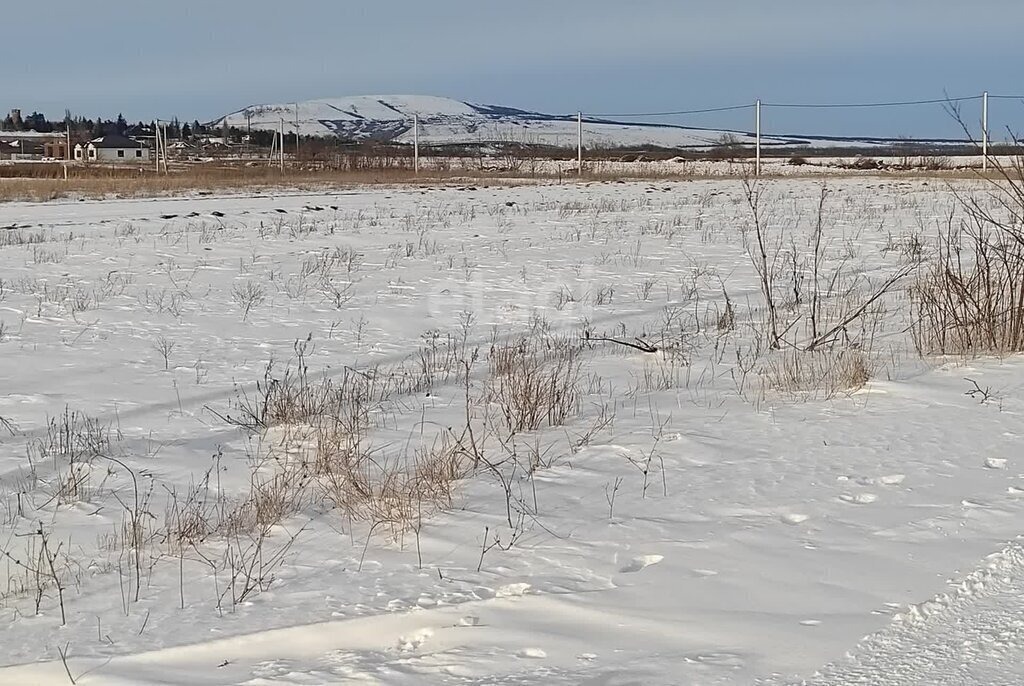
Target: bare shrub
970 299
289 398
251 563
764 250
274 494
535 383
42 566
838 302
337 293
664 373
41 255
9 237
247 296
164 347
313 448
73 441
190 519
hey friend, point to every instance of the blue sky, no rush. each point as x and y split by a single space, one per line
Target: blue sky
194 59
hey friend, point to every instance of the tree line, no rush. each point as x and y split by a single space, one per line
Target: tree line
85 127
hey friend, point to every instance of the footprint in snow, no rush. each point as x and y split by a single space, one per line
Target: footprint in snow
858 498
703 573
887 480
794 518
721 659
641 562
484 593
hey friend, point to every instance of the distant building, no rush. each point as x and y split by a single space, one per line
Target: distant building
112 149
56 149
26 145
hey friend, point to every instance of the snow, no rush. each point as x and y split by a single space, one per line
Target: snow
713 532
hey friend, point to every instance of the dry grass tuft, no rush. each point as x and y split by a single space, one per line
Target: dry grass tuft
535 382
816 374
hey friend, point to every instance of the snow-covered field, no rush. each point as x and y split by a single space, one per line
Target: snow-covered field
496 496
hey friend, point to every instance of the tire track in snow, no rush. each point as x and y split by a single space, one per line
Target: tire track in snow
972 634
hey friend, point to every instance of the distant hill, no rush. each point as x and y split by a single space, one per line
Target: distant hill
446 121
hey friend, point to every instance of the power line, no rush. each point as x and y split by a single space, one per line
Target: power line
733 108
670 114
852 105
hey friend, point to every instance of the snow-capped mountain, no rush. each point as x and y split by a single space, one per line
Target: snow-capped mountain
447 121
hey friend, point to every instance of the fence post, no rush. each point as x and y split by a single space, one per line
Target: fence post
984 131
757 136
579 143
416 143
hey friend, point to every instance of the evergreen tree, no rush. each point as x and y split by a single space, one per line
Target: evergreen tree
37 122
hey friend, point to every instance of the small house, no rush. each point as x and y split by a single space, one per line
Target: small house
112 149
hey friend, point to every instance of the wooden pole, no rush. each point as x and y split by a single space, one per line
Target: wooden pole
579 143
984 131
757 134
165 149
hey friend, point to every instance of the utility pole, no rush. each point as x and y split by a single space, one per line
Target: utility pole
248 134
579 143
984 131
757 134
416 143
158 143
296 131
282 145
